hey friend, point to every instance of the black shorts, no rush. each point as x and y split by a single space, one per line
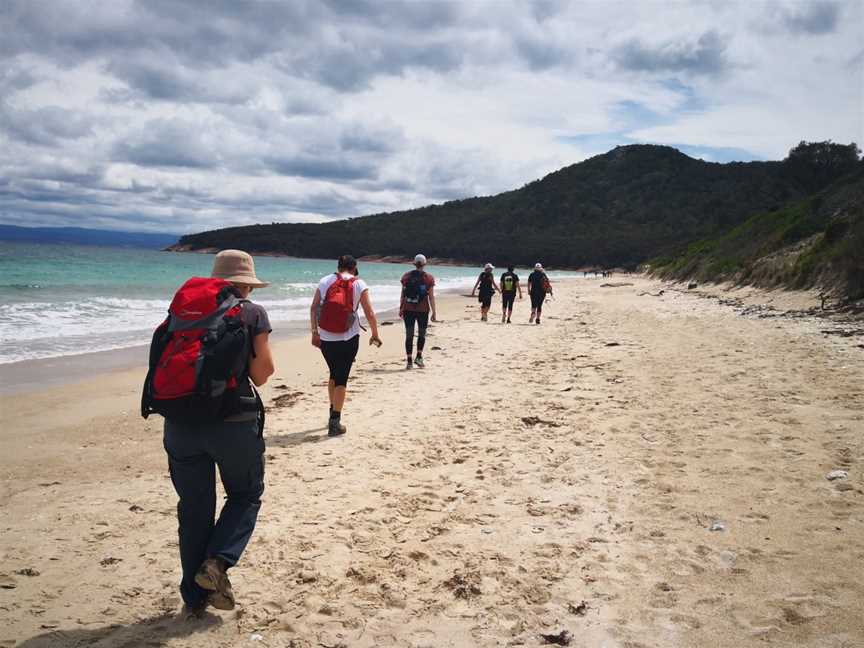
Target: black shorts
340 356
485 299
537 300
507 300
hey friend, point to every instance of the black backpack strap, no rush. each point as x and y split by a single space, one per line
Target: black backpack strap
250 332
160 339
262 412
259 403
146 395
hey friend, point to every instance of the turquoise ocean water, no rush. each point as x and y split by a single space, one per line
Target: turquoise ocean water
64 300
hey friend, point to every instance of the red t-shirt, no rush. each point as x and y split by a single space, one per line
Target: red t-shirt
423 305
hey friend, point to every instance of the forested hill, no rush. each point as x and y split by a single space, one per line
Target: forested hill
616 209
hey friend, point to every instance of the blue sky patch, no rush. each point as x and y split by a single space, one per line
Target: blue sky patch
594 143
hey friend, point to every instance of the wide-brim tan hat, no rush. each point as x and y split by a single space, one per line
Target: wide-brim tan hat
238 267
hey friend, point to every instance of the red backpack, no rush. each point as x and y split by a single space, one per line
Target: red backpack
199 356
337 310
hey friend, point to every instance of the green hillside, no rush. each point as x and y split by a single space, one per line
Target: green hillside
616 209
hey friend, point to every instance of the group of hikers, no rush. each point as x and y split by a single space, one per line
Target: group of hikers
208 357
538 287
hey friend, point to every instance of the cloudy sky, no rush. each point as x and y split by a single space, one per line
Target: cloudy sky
156 115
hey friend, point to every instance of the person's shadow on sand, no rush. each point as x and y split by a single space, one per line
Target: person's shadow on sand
155 631
296 438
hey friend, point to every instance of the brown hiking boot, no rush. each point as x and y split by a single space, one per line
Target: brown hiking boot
211 576
220 601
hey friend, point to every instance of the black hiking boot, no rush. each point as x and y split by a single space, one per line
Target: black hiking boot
335 427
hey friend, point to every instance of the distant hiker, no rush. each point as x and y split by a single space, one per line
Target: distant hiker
418 299
202 359
336 330
509 286
538 286
488 287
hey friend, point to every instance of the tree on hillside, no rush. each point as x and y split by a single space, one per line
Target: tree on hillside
824 160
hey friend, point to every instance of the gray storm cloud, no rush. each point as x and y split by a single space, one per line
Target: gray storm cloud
703 55
812 17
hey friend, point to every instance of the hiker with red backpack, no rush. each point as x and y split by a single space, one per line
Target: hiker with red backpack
336 330
204 359
415 304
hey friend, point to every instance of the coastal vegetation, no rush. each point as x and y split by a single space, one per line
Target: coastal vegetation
814 242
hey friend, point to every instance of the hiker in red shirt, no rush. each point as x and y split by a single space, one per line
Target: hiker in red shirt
336 330
418 299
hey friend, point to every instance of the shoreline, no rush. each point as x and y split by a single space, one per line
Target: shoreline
32 375
26 376
405 260
371 258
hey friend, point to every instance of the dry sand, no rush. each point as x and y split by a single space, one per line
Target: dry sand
531 480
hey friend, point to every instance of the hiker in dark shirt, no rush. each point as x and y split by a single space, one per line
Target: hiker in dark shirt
236 445
538 286
488 287
418 299
509 286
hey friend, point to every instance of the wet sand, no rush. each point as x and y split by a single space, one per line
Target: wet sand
532 480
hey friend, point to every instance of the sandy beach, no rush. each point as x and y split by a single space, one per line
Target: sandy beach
641 470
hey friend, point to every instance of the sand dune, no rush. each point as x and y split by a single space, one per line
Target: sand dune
559 480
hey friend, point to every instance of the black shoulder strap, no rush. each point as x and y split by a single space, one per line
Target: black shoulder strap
262 411
160 338
250 332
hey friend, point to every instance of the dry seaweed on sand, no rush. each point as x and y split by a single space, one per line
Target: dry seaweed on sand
536 420
562 638
286 400
465 584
